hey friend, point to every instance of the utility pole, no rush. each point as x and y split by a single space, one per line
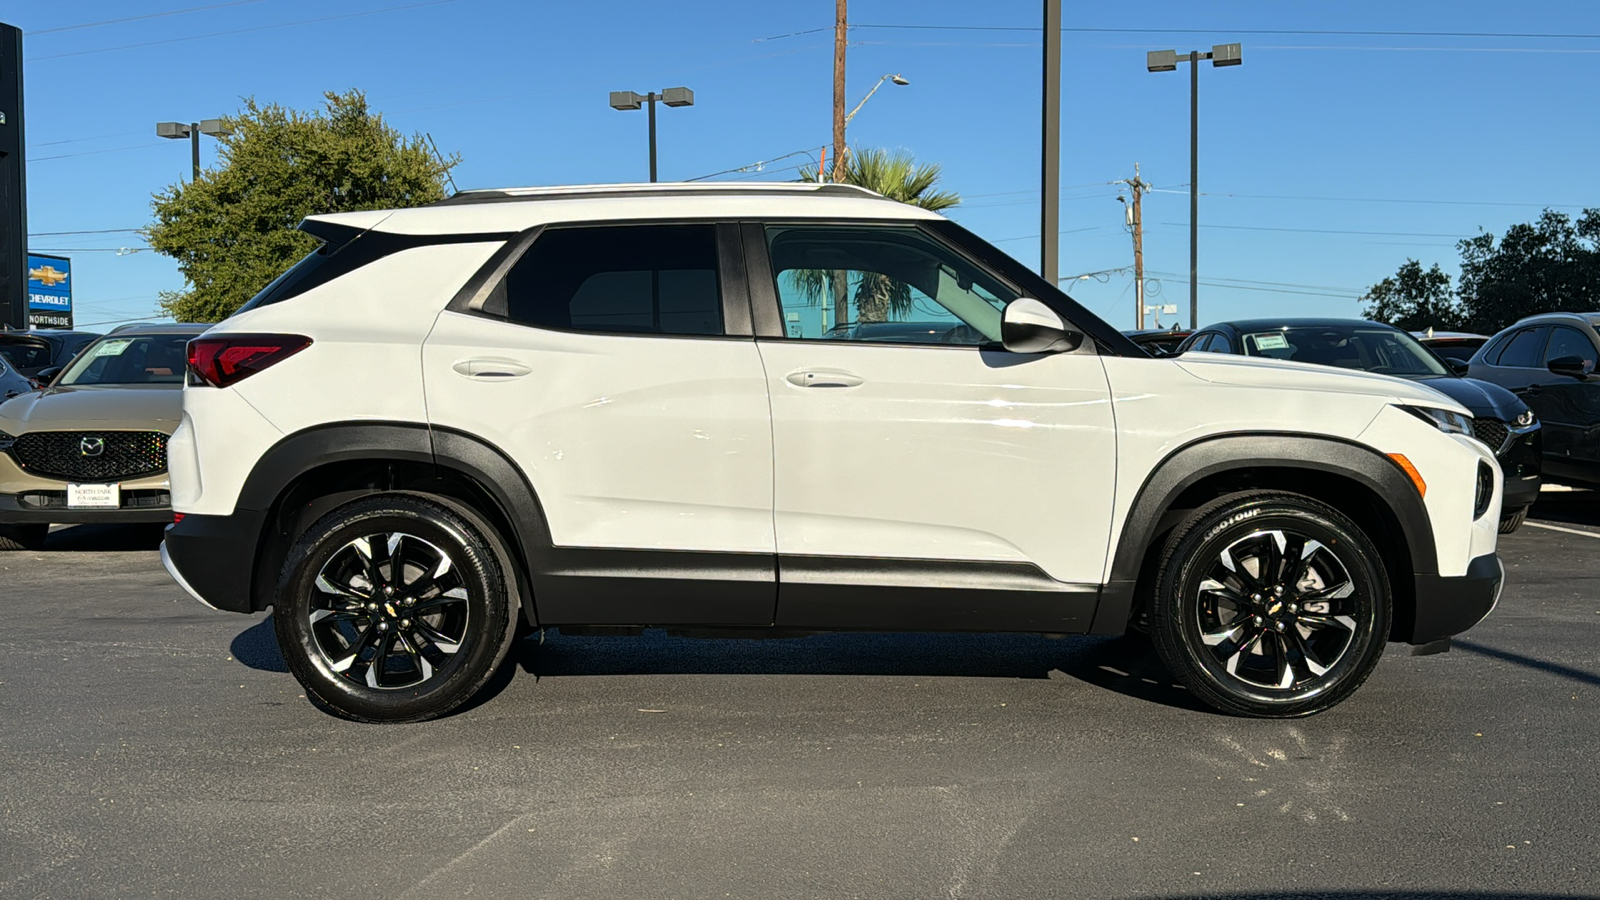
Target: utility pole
1050 176
840 27
1137 186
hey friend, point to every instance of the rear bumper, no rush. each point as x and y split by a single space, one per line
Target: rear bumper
1449 605
213 558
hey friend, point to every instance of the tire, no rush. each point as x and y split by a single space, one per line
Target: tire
1514 521
1288 646
23 537
375 649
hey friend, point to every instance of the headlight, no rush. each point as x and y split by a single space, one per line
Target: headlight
1526 420
1443 419
6 441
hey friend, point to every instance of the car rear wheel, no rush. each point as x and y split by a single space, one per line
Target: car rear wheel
1270 605
23 537
395 608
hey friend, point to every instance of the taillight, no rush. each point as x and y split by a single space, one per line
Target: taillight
231 358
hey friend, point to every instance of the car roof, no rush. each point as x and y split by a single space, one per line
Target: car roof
1592 319
505 210
1158 332
189 328
36 333
1271 324
1448 336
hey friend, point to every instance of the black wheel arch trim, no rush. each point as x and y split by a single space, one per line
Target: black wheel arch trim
1214 455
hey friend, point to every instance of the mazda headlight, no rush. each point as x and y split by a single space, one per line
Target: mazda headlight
1443 419
1526 420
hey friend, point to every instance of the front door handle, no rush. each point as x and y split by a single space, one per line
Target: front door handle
486 369
823 378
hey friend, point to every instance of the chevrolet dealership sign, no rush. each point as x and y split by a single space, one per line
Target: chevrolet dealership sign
49 291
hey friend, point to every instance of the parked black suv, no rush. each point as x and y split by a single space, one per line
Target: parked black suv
1549 362
1499 419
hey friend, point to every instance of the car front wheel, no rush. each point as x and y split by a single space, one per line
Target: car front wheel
395 608
1270 605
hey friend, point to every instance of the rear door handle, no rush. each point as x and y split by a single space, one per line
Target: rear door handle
487 369
823 378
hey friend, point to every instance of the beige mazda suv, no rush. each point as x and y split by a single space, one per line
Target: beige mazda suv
92 445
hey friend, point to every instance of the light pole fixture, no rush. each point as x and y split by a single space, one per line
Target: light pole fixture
628 100
894 77
192 131
1167 61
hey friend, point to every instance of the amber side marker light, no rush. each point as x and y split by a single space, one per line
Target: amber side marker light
1411 472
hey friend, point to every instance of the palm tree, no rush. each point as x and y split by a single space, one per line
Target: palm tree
897 176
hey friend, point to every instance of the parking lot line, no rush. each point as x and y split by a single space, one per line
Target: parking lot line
1559 528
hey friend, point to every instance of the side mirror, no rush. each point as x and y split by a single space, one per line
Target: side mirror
1570 366
44 376
1458 366
1028 326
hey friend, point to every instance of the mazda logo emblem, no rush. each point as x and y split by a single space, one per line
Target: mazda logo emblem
92 446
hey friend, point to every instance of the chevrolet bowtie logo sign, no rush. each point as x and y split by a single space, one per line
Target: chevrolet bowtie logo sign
49 276
92 446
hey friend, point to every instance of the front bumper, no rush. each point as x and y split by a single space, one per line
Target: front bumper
1521 460
15 511
1449 605
213 557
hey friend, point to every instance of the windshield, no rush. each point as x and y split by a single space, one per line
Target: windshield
1370 348
142 359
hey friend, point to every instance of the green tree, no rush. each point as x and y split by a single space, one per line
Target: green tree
232 229
1415 299
1550 265
898 176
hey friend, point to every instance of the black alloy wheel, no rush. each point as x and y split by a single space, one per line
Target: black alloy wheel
1270 605
395 608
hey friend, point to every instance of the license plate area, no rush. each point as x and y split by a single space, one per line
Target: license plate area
94 496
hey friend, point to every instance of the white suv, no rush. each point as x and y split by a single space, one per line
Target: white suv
786 409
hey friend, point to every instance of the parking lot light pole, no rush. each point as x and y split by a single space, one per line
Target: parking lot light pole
192 131
628 100
1167 61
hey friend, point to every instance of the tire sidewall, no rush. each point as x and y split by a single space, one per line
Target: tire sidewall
488 608
1178 625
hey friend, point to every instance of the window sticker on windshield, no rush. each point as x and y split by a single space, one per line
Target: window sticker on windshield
112 348
1270 341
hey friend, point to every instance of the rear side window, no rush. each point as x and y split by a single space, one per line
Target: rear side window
1525 351
26 354
630 279
1220 344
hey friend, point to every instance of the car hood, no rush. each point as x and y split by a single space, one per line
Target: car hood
1483 399
123 407
1256 371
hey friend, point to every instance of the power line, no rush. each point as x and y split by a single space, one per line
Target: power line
1257 31
758 165
33 159
158 15
1377 200
98 137
1319 230
94 231
198 37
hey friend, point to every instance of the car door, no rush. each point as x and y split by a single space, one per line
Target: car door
613 364
1569 407
923 476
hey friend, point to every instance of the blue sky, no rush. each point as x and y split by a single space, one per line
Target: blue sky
1326 159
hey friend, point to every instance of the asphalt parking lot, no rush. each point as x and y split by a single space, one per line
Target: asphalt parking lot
153 747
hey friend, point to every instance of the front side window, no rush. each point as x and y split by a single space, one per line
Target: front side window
1565 342
881 284
630 279
141 359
